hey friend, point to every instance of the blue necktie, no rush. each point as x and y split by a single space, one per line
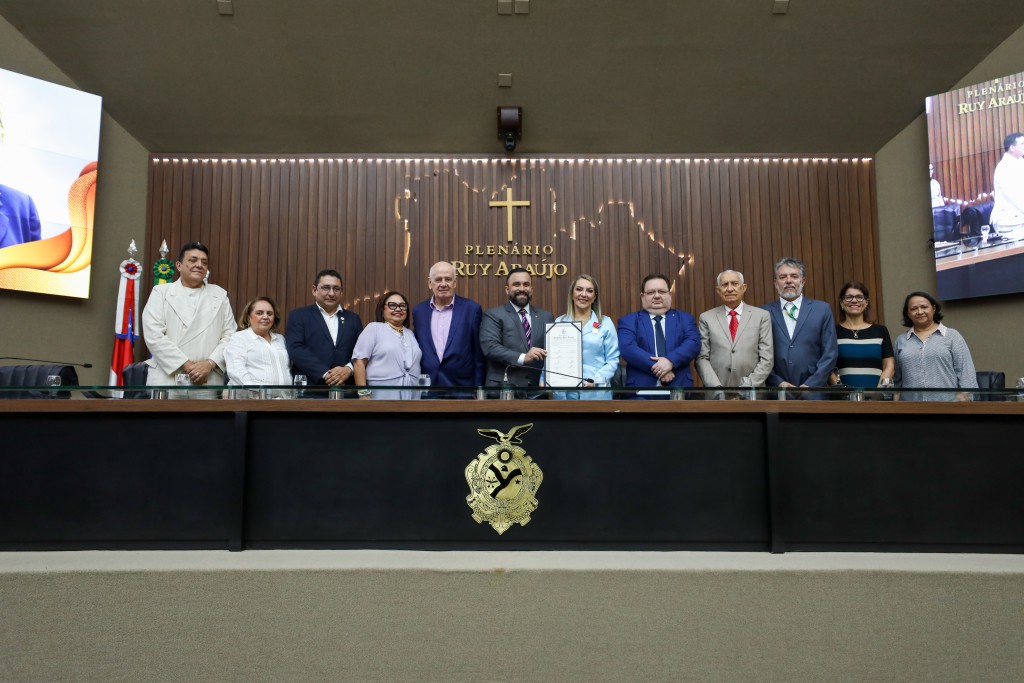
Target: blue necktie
659 338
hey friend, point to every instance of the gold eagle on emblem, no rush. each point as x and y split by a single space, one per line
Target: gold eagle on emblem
503 480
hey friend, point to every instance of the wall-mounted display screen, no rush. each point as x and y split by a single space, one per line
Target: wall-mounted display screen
976 180
49 145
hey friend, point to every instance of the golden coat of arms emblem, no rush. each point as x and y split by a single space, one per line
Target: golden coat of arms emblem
503 481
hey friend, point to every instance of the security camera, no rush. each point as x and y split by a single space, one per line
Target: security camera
509 137
510 126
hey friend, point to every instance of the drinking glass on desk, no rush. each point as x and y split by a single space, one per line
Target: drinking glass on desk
423 382
985 230
182 380
747 388
298 381
53 380
886 385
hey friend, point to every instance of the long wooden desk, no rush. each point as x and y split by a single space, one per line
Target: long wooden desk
740 475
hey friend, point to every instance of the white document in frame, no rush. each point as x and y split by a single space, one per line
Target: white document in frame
563 366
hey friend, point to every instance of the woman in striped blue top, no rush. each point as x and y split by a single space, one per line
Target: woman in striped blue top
865 348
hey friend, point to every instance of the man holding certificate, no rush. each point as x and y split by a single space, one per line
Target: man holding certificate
512 335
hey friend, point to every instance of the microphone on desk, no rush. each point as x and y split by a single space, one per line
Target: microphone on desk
548 372
48 362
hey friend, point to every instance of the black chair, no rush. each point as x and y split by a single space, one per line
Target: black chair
135 375
35 376
619 378
989 379
946 223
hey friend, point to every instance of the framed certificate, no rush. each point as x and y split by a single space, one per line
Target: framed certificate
563 366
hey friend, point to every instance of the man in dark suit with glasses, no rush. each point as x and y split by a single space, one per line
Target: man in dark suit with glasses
320 337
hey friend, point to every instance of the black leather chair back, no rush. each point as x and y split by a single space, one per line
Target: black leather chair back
135 375
946 223
989 379
619 378
35 376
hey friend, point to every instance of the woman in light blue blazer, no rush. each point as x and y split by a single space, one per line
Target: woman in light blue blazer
600 342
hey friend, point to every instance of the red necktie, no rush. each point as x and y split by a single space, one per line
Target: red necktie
734 324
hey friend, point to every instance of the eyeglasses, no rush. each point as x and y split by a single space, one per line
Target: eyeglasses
328 288
854 298
656 292
397 307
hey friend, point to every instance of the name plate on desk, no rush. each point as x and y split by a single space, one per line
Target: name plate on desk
563 366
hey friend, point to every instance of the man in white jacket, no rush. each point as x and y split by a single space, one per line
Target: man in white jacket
187 323
1008 210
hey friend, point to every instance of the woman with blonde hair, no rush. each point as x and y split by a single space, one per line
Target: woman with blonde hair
600 342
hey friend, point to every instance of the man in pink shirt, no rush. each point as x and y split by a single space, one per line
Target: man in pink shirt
447 327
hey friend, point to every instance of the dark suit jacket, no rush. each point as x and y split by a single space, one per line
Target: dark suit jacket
502 339
636 343
811 354
462 363
309 342
19 220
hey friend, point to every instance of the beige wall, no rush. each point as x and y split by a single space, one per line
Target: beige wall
59 328
993 326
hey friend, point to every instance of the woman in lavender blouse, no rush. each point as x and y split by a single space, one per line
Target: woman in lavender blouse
386 353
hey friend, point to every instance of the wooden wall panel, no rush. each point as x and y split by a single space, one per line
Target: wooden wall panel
966 128
271 223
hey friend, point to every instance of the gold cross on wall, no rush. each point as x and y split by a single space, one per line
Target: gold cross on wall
509 204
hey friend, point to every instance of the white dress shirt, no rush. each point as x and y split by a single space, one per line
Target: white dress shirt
252 360
790 323
332 321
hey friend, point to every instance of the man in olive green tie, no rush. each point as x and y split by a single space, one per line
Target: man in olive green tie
803 331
